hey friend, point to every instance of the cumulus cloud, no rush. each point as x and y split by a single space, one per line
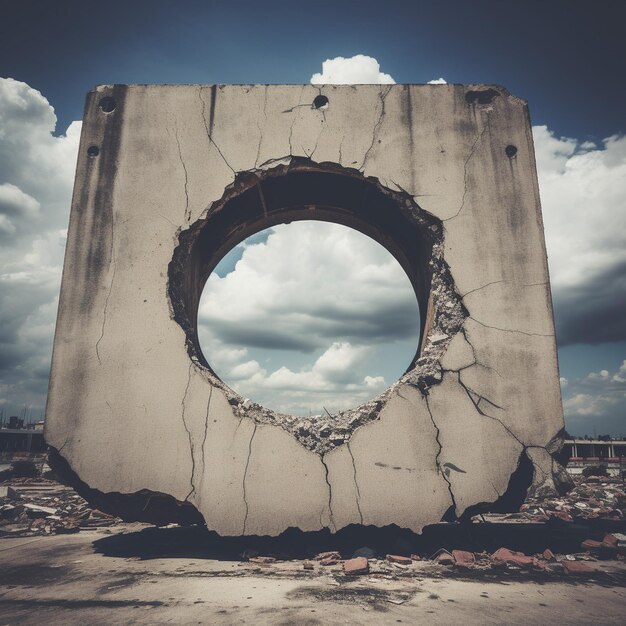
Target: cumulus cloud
321 291
356 70
438 81
583 194
307 284
331 383
597 400
36 176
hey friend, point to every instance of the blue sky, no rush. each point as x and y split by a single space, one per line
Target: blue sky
565 58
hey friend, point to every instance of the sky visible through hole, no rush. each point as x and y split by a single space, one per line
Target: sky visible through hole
307 317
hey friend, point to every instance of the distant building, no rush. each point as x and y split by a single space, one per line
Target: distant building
581 453
16 422
21 441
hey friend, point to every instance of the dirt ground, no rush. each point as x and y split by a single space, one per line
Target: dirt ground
104 576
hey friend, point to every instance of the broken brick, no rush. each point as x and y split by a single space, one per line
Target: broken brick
591 545
504 555
462 558
262 560
328 555
577 567
402 560
355 567
443 557
548 555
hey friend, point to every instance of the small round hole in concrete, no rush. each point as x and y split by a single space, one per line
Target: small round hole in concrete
320 102
510 151
107 104
93 151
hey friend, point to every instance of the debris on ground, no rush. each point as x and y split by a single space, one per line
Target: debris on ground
38 506
592 497
357 566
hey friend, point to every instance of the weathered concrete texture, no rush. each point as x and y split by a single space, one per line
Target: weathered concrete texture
169 178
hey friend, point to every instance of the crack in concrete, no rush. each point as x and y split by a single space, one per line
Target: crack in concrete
511 330
465 164
317 140
105 311
182 162
341 149
382 95
258 149
189 436
356 483
245 476
503 280
440 450
295 118
206 427
330 495
208 132
493 282
476 361
476 404
106 302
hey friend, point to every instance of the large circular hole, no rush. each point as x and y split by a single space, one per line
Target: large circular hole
300 191
308 318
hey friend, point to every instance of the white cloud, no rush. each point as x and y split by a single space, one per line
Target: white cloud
332 382
583 191
583 194
438 81
321 291
36 177
356 70
597 400
587 404
620 375
308 284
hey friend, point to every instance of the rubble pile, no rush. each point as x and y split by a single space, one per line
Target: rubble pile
594 558
592 497
36 506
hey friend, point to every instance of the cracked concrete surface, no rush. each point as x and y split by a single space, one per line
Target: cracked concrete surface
134 409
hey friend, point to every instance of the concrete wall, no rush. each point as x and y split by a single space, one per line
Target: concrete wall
134 409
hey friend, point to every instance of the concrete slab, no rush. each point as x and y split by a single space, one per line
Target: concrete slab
170 177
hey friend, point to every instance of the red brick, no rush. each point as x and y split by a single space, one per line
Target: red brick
403 560
610 540
445 558
504 555
591 545
577 567
354 567
262 560
462 558
548 555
